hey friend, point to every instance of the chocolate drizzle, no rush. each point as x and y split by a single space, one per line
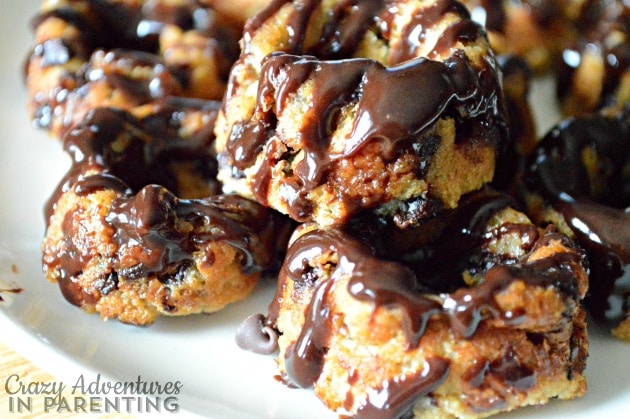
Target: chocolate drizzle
593 198
347 22
146 224
414 33
128 153
304 359
453 241
395 104
507 370
128 37
605 32
382 115
391 282
155 233
398 396
107 25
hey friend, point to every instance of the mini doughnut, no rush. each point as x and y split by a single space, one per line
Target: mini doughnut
585 43
536 30
579 179
124 54
595 69
338 106
120 245
472 313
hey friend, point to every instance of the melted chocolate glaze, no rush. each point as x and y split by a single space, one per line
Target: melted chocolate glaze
396 105
112 150
414 33
453 240
594 206
150 147
396 284
506 370
106 25
148 221
130 35
597 21
398 397
544 12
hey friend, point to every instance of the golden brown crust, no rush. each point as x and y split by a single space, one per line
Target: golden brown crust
585 43
124 54
536 31
527 346
322 173
118 244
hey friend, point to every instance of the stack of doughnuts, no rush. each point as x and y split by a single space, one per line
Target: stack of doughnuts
410 286
378 156
334 109
138 227
576 176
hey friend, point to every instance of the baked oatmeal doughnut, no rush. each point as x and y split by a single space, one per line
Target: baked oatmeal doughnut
120 245
124 53
473 313
536 30
579 179
595 70
339 105
584 42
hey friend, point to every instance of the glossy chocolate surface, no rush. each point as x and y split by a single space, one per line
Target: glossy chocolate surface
128 35
396 105
156 233
398 397
389 270
150 148
605 33
594 199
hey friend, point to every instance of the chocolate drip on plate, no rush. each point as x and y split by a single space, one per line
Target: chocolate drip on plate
256 336
11 290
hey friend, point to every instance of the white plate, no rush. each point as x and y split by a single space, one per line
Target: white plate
218 379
